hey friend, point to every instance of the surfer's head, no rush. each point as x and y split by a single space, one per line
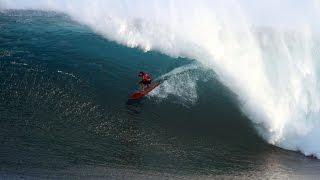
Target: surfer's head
141 73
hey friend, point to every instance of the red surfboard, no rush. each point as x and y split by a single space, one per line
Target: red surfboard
140 94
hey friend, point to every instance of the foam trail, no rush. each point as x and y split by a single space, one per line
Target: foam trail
179 70
263 51
180 82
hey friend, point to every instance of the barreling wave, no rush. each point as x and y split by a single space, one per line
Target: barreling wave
268 59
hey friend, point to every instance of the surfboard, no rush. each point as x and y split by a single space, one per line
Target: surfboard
140 94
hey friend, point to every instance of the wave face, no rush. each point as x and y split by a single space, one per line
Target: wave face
264 52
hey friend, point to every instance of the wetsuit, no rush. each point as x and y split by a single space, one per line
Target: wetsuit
146 79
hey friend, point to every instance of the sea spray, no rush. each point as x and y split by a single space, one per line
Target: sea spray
268 58
181 82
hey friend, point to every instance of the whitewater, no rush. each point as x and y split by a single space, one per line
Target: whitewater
265 52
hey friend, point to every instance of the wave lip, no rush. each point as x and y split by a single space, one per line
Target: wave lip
268 60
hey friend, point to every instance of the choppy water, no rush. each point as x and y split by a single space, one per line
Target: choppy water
64 112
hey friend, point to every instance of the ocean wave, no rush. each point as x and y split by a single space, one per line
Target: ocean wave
267 58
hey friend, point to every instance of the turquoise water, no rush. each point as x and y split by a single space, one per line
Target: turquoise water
64 111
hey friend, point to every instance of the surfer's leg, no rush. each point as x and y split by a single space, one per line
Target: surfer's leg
144 84
148 83
141 85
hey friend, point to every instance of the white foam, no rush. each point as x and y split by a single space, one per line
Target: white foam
263 51
179 83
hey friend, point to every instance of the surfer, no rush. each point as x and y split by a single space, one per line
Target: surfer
145 86
145 80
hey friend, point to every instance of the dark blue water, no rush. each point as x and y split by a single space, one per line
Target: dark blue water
64 112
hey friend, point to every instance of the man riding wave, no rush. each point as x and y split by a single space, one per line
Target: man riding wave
145 80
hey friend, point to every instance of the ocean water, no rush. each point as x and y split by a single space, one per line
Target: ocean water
64 112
